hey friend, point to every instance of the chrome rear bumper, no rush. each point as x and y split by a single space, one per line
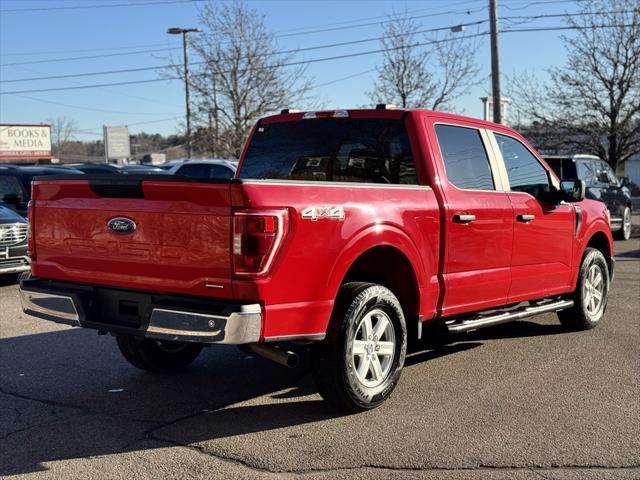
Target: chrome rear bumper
238 324
56 308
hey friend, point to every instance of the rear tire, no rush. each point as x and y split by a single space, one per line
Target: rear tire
359 364
157 356
591 293
625 230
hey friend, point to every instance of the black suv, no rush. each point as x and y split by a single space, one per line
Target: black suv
15 184
14 262
602 184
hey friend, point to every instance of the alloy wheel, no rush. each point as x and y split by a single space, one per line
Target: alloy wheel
593 290
374 345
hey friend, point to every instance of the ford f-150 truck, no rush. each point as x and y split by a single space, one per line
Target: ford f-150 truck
345 230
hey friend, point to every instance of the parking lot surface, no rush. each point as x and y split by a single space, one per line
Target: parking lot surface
517 401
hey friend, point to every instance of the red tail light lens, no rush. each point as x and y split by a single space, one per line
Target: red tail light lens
31 247
257 236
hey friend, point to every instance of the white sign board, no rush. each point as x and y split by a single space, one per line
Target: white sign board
116 141
25 142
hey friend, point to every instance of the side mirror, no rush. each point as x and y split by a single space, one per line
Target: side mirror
572 190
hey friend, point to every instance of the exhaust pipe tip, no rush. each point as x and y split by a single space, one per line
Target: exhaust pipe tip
293 359
282 357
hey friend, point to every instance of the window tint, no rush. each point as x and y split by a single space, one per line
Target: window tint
608 174
194 171
218 171
336 149
586 172
465 157
9 185
565 168
525 173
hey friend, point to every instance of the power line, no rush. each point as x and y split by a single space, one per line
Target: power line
90 130
317 47
348 77
332 29
284 52
433 14
154 101
530 4
289 64
83 50
317 60
102 5
379 17
79 107
90 57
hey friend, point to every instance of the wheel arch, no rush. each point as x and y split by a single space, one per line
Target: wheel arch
600 240
388 257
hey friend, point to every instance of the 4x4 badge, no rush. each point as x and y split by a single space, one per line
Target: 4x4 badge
316 213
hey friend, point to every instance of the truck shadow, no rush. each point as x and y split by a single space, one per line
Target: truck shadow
68 394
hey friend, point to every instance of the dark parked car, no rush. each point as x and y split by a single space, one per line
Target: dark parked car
602 184
15 184
205 169
142 170
14 262
96 168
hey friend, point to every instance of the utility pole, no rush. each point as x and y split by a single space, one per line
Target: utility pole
185 51
495 62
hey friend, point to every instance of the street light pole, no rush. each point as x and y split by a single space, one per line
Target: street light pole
495 62
185 51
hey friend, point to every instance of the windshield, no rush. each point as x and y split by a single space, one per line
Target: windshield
339 150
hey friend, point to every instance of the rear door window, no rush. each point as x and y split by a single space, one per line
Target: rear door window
465 158
331 150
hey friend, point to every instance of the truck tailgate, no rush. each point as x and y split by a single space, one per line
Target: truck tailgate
180 243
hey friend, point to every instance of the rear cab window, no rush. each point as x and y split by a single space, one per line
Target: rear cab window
355 150
465 158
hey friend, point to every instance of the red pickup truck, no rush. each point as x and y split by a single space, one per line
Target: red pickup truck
346 230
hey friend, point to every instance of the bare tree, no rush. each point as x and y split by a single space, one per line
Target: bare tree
593 101
241 76
418 71
63 130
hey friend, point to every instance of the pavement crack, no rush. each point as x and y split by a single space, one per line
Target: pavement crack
81 408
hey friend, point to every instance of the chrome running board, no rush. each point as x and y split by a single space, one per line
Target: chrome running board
467 324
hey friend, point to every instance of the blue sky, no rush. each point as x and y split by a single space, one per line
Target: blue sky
40 35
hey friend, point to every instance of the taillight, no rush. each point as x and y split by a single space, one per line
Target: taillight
257 236
31 247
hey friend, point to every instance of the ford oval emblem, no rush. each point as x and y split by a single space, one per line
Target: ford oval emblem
121 225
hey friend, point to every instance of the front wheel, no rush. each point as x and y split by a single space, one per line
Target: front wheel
591 293
156 355
360 362
625 231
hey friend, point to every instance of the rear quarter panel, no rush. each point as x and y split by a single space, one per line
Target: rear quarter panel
300 289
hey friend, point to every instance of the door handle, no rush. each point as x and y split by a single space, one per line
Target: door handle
463 218
522 217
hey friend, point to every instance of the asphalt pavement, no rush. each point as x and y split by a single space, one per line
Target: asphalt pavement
527 400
